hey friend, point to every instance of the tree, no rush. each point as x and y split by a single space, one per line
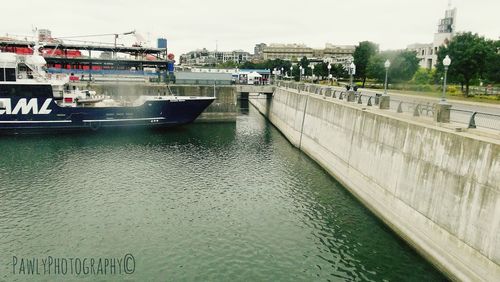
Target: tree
362 54
277 64
304 62
248 65
469 55
404 64
375 68
493 64
424 76
338 70
227 65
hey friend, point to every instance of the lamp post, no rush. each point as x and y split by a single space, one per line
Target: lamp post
329 67
446 64
312 73
352 68
282 72
291 72
387 64
300 73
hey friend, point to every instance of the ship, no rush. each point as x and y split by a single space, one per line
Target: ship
32 101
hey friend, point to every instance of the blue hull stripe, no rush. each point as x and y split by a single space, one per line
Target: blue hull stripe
124 119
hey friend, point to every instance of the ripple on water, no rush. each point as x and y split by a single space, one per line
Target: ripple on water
203 202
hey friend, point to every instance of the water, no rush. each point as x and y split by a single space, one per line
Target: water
206 202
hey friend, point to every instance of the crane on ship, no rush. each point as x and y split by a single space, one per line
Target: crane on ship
115 35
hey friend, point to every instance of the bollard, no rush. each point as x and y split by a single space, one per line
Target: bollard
369 101
472 121
359 99
333 94
400 107
416 112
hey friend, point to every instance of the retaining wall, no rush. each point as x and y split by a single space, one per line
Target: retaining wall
438 189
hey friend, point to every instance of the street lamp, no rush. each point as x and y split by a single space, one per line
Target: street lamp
387 64
291 72
352 69
446 64
312 73
300 73
329 67
282 72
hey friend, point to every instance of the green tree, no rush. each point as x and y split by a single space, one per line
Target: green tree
362 54
404 65
339 71
321 69
493 64
248 65
469 55
277 64
227 65
424 76
376 68
304 63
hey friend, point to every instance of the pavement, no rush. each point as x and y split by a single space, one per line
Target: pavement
466 105
486 117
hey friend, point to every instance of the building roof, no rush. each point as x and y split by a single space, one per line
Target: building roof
261 71
203 75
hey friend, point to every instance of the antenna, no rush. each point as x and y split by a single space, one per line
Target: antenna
216 46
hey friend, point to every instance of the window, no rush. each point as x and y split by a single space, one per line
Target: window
7 74
26 91
10 74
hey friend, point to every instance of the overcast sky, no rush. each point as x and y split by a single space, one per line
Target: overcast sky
194 24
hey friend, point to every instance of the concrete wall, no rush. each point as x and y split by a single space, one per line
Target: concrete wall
223 109
438 189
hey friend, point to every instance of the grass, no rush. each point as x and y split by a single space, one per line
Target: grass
453 92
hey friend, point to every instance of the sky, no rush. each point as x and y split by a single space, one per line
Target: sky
230 25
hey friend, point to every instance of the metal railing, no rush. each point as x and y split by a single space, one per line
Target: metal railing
473 119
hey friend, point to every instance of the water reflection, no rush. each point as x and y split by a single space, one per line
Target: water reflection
203 202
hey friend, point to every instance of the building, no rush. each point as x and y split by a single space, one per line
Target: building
335 54
288 52
203 78
257 51
427 53
338 54
206 57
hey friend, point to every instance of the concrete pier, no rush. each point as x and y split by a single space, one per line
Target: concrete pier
437 188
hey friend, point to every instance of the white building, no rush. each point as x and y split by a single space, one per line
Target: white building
206 57
427 53
294 52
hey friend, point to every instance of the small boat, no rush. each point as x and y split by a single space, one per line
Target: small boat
33 102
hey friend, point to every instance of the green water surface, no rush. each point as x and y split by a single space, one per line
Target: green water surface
205 202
